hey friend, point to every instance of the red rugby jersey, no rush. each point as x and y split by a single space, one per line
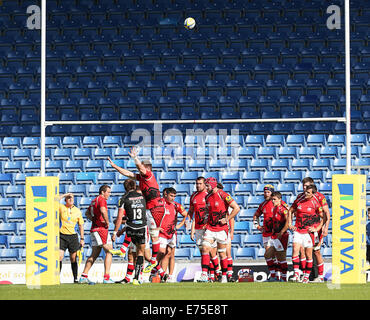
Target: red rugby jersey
149 187
217 205
169 220
307 214
97 217
198 202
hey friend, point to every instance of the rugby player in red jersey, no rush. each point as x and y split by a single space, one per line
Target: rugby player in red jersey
168 230
196 212
98 214
217 228
154 204
278 243
265 209
321 234
309 220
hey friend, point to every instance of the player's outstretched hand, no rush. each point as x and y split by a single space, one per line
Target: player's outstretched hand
110 161
133 152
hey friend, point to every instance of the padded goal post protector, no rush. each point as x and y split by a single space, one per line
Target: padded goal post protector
42 231
349 229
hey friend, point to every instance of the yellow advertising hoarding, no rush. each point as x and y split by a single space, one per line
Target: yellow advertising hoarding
349 229
42 231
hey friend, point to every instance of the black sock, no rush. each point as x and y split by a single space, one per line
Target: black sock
74 270
60 266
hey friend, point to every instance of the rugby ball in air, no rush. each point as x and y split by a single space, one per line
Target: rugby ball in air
189 23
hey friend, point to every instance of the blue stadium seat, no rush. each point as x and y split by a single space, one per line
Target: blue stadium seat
11 142
293 176
321 164
13 166
7 228
254 240
6 154
308 152
301 164
243 189
77 190
16 241
246 214
74 166
3 241
245 253
62 154
184 253
254 201
6 179
94 165
184 240
66 178
9 255
85 177
14 191
251 176
259 164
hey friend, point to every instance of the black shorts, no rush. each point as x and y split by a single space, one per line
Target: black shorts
137 235
69 241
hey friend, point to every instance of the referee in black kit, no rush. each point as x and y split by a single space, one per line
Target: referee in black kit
134 208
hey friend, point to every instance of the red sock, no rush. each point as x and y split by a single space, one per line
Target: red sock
215 262
155 249
307 271
271 267
161 271
125 244
284 270
230 266
130 269
295 261
320 268
84 275
106 276
303 264
205 260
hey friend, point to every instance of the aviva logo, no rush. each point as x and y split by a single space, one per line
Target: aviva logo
345 191
39 193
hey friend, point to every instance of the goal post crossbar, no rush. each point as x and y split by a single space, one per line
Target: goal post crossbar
195 121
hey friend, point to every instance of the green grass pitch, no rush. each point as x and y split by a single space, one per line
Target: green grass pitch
189 291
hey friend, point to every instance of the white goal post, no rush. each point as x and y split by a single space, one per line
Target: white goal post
346 119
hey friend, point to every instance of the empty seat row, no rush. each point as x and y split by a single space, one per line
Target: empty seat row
189 138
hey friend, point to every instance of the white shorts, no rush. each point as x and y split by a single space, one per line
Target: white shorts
217 236
304 239
151 224
199 234
276 243
132 246
164 242
98 241
266 241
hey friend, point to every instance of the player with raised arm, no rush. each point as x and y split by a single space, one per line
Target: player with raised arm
309 220
154 203
217 228
97 212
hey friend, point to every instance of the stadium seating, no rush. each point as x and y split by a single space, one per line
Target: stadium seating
252 59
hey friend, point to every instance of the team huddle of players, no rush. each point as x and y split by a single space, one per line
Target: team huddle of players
149 216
